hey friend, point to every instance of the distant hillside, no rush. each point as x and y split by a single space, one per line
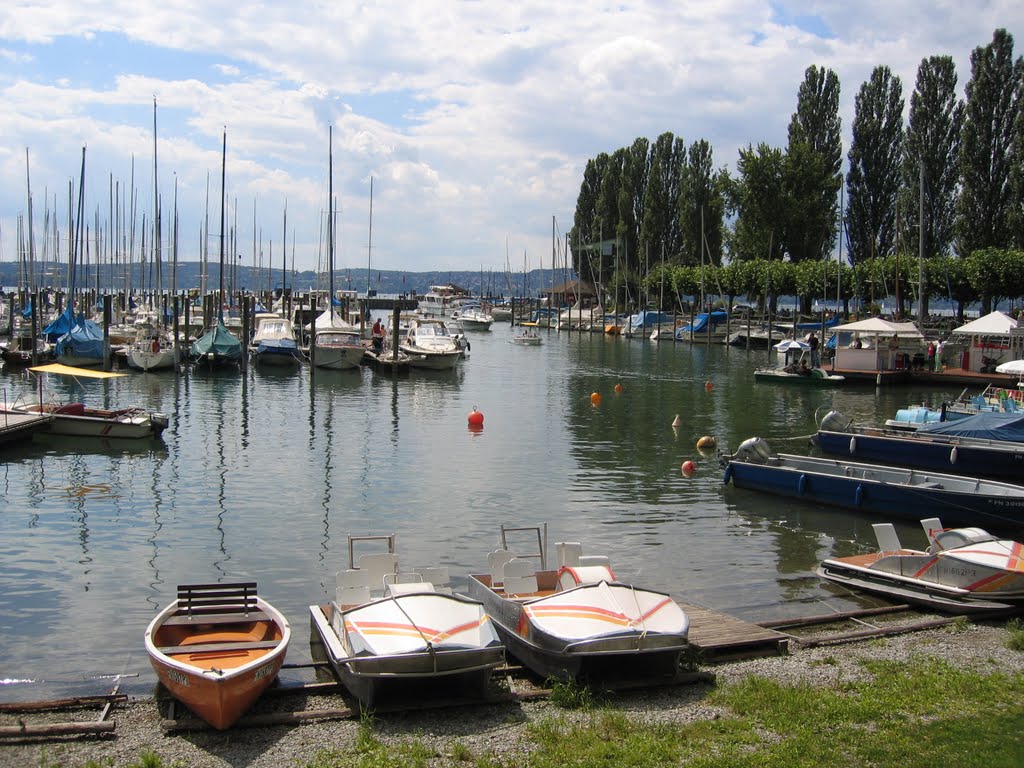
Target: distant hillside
382 281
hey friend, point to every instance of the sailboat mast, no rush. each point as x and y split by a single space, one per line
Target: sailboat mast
330 222
369 241
156 217
223 177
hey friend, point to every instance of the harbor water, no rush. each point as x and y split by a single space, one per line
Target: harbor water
262 474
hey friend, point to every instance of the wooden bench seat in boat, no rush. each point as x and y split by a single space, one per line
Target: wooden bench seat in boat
215 618
229 646
216 604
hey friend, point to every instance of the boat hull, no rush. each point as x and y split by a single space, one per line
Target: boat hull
219 687
999 461
338 358
371 676
620 651
893 492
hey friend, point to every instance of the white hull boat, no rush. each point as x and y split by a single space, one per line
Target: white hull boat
963 570
429 344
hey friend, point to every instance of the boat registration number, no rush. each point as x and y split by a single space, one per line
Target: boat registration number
178 677
263 671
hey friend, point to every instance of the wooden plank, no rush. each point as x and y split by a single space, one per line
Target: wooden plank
56 729
215 618
69 703
247 645
718 636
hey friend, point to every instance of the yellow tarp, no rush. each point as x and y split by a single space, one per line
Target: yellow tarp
70 370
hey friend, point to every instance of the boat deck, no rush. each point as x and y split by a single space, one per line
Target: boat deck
720 637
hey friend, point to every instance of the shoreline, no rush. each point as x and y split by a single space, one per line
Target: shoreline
498 729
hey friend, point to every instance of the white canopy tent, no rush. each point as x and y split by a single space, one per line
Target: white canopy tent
877 326
879 355
993 324
994 338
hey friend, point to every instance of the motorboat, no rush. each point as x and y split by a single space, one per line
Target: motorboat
962 570
473 316
217 346
526 338
992 399
274 342
578 619
986 444
217 647
897 492
706 328
429 344
79 420
389 630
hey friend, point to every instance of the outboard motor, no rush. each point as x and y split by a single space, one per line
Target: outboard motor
754 450
834 421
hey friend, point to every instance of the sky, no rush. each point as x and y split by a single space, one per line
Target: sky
472 120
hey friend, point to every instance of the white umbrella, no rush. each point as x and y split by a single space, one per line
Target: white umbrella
1013 367
790 345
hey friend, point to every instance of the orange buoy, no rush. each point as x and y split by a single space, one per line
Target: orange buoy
476 419
595 398
706 442
618 389
688 468
708 386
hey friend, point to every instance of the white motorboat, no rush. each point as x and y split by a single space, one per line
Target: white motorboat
579 618
526 338
152 349
274 341
387 630
962 570
429 344
473 317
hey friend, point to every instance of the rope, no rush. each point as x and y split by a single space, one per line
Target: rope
430 646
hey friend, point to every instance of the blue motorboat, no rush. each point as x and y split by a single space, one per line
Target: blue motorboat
894 492
987 444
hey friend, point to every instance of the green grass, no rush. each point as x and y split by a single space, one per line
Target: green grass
571 694
1015 630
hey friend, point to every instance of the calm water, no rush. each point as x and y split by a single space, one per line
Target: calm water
261 475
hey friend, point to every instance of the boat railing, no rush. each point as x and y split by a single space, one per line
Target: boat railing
541 533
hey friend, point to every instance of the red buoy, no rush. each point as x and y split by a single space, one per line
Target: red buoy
688 468
476 419
618 389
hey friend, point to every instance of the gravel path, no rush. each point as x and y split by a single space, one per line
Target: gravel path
496 729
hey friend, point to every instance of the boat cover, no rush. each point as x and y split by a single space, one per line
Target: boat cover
988 425
408 623
594 610
218 340
61 325
85 339
700 323
647 319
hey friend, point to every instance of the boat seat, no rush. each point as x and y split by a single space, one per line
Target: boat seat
229 647
519 566
888 540
496 563
378 565
351 596
408 588
932 528
236 617
436 575
520 585
568 552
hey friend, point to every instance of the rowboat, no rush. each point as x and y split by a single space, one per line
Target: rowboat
963 570
896 492
579 619
389 631
216 648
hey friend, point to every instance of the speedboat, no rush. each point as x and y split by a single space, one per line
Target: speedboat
429 344
579 619
962 570
79 420
473 316
891 491
796 370
526 338
389 629
217 647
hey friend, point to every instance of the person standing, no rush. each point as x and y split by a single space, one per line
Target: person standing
812 340
377 336
940 347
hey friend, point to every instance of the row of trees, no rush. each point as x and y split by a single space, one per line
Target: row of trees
954 172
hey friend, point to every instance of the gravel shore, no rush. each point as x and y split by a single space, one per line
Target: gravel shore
496 729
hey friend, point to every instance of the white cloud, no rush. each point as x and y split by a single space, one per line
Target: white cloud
474 119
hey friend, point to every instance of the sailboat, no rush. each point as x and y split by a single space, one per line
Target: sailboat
153 346
337 344
217 345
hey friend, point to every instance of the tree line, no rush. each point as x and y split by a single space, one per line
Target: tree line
947 184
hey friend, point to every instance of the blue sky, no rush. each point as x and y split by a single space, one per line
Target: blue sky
474 119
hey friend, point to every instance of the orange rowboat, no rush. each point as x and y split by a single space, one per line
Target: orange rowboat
216 648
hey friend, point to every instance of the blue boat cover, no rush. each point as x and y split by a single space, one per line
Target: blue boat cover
990 426
61 324
84 340
647 319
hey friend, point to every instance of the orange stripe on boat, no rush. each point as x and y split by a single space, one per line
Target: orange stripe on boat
925 567
987 584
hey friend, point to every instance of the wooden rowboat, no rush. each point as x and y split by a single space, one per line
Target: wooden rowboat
216 648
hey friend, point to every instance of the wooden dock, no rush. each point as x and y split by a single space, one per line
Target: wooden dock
19 427
720 637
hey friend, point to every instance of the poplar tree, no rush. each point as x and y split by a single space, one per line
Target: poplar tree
816 128
875 160
986 147
701 206
932 150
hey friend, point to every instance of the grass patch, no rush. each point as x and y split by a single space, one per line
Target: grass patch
960 624
1015 630
572 694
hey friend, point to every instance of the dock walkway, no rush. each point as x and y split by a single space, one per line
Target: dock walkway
15 427
720 637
